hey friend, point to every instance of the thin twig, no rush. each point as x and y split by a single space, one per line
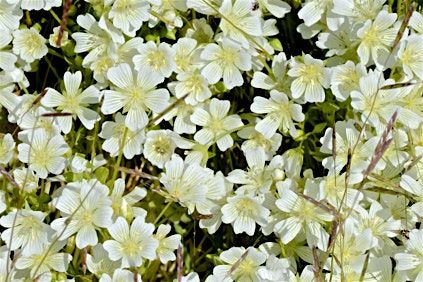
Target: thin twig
65 15
139 173
180 262
63 114
167 110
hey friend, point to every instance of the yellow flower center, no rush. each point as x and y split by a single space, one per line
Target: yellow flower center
194 83
310 73
410 56
124 6
227 57
183 61
161 145
71 103
245 207
34 43
156 59
246 267
130 247
103 64
39 157
307 211
371 36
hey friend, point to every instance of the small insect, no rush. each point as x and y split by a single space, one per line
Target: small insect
255 6
405 233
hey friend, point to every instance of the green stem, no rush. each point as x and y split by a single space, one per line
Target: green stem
53 69
162 213
55 16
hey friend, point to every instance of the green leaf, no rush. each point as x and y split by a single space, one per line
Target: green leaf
276 44
319 127
102 174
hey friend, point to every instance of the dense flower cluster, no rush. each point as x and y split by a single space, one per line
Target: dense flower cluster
159 119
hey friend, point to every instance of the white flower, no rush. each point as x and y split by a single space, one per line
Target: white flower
156 59
301 215
243 211
225 60
78 164
84 205
3 204
200 30
26 179
182 112
25 230
217 125
98 262
160 146
7 58
247 268
276 269
167 245
381 225
123 205
135 93
120 275
345 79
191 277
257 179
169 12
358 11
29 44
337 41
39 264
411 102
185 182
377 109
346 139
30 119
280 111
187 55
238 20
278 8
10 14
204 6
411 261
114 133
332 189
416 21
313 10
415 188
52 40
44 154
128 15
98 38
74 101
257 141
376 38
279 81
131 244
311 79
411 56
37 5
194 84
293 161
7 146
